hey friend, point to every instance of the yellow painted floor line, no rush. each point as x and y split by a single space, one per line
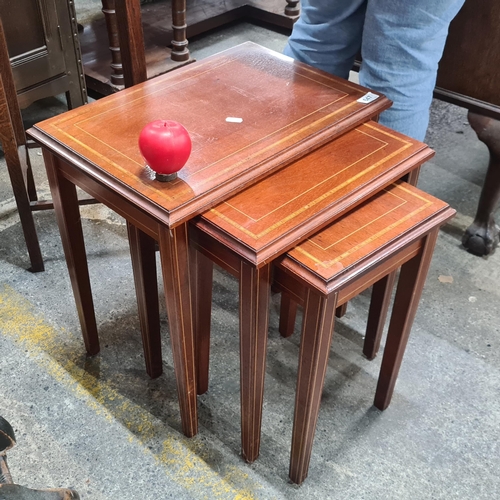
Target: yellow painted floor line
180 463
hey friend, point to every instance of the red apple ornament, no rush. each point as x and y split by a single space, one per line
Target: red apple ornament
166 146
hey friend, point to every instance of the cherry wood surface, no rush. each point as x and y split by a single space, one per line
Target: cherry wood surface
333 252
397 227
265 220
288 110
244 234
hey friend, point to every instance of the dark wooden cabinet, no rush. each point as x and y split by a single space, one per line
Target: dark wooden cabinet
44 50
469 71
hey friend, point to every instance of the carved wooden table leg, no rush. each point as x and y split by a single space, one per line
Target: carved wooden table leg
108 9
292 8
482 236
180 51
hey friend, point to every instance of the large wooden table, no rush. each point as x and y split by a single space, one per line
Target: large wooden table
288 110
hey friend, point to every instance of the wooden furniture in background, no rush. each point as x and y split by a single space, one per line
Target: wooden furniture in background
397 228
44 50
164 37
290 109
469 76
244 234
15 148
167 27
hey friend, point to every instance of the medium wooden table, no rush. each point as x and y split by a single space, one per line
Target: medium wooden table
287 110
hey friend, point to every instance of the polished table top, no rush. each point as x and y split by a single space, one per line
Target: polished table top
287 110
270 217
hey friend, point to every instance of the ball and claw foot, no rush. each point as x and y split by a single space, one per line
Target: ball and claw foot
482 236
480 239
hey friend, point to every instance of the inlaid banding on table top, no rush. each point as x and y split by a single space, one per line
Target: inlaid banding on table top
88 131
376 222
286 107
283 201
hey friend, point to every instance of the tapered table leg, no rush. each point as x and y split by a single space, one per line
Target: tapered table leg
174 253
65 201
317 332
408 293
379 305
254 318
288 313
143 254
201 288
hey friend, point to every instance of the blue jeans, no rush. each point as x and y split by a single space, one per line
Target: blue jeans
401 43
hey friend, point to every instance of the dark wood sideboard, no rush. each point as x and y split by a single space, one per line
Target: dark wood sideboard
44 49
469 76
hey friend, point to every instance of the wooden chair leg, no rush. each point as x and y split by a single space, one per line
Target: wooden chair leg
201 287
16 159
254 313
143 254
15 168
288 313
317 332
379 306
409 291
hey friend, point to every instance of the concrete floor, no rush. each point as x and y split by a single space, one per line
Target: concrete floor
101 426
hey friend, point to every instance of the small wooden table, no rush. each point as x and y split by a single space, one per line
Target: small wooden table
287 110
245 233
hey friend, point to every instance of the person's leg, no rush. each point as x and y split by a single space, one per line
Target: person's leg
328 34
403 42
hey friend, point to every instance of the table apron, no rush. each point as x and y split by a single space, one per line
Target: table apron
109 197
